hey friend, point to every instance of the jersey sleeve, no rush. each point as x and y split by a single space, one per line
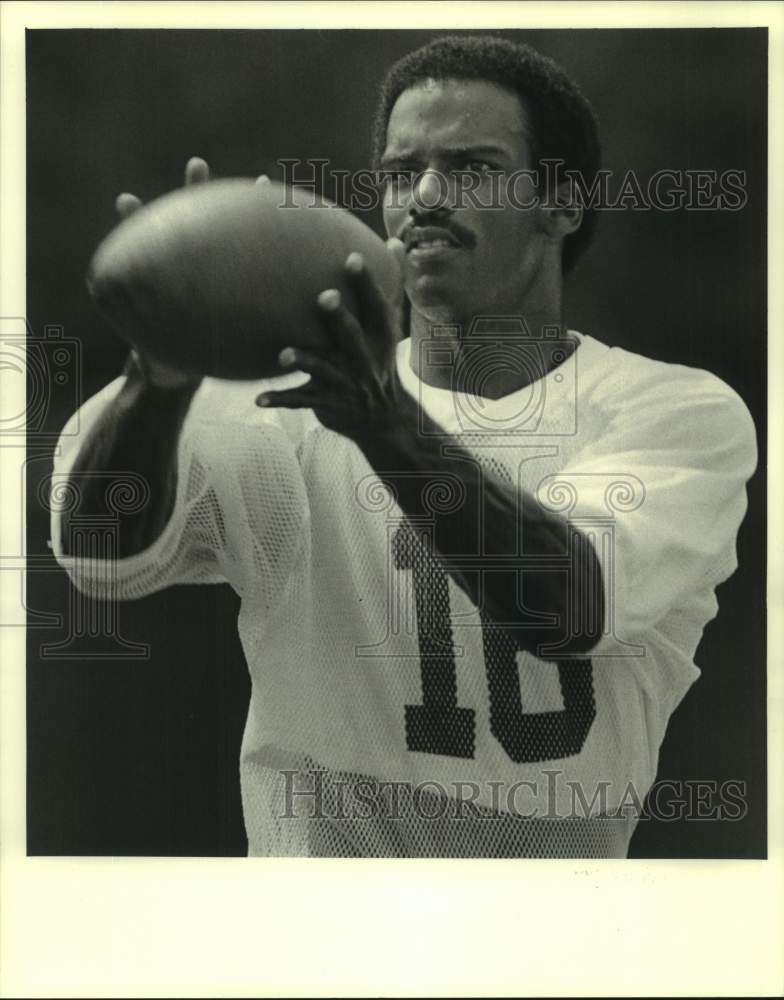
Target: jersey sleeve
238 514
667 473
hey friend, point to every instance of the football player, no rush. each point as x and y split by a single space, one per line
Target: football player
474 562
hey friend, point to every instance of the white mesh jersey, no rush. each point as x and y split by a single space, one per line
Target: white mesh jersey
387 716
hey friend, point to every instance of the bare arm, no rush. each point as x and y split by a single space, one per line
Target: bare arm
138 433
478 539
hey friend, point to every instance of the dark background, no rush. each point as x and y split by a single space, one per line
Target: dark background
140 756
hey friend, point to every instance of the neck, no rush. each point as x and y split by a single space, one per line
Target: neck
445 351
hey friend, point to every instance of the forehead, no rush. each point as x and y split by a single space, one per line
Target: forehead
457 113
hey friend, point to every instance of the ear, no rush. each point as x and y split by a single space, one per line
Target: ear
564 215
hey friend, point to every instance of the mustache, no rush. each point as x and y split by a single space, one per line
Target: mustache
459 233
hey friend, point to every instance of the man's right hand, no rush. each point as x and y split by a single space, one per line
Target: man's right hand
161 375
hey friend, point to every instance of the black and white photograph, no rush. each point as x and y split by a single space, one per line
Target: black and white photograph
394 456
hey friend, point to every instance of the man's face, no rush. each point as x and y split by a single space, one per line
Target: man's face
463 260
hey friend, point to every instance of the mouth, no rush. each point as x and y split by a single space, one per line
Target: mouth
430 242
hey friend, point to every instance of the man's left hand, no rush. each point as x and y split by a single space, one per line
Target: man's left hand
354 388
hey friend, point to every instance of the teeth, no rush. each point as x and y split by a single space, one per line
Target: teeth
430 244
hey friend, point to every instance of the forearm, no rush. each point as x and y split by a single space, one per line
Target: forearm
136 436
493 536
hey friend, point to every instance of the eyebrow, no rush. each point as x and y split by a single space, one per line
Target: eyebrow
451 152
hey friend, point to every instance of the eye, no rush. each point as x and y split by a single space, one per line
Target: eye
478 166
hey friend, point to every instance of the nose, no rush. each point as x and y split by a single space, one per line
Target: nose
426 198
431 195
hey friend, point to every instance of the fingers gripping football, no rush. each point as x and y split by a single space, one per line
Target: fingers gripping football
354 388
197 171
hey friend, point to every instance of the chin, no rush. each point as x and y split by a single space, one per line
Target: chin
435 301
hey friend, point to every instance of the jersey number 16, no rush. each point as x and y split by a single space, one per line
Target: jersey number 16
439 725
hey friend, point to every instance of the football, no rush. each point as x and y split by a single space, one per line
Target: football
216 278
